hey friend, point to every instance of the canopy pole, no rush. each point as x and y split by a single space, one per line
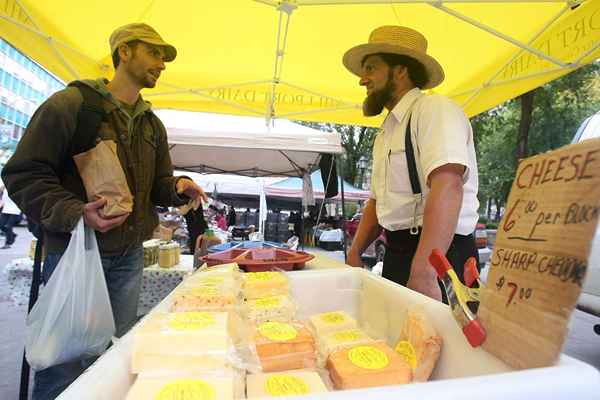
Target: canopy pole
530 43
50 41
340 165
499 34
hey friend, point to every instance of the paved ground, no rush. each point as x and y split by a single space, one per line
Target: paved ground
582 342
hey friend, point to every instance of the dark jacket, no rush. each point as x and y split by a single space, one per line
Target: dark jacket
42 179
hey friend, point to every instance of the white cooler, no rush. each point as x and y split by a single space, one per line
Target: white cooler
380 306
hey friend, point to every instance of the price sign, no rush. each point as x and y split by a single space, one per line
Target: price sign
540 255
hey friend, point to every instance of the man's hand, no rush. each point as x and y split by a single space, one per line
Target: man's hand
354 259
191 190
93 218
426 284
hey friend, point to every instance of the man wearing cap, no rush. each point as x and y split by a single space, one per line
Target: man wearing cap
424 184
42 178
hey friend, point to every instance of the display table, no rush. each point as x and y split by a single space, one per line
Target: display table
158 282
380 307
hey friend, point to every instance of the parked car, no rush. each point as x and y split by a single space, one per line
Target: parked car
589 301
481 242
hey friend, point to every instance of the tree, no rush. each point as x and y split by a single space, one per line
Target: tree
530 125
357 141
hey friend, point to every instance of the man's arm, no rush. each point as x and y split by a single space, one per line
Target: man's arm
439 224
368 230
166 188
31 175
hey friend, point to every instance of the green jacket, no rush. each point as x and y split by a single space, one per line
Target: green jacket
42 179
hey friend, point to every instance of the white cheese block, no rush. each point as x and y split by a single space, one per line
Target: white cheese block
278 384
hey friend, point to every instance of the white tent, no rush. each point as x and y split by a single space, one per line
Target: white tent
213 143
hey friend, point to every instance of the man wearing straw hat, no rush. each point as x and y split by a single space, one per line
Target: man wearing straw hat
43 180
424 184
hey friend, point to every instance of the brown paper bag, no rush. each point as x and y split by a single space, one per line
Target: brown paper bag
103 177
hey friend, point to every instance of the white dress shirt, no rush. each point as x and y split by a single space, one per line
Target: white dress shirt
441 134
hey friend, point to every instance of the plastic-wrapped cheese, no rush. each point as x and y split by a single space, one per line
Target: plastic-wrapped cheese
205 298
420 345
273 308
337 340
331 322
167 342
265 284
279 384
284 346
367 366
182 387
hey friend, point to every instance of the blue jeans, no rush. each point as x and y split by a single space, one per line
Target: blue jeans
124 280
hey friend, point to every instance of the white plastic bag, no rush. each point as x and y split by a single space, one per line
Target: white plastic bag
72 319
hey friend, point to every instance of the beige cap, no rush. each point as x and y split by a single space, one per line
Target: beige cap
142 32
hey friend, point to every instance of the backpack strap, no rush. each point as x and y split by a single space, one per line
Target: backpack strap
89 117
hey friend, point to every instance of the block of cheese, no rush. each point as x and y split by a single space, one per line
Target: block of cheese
331 322
205 298
273 308
370 365
165 342
182 387
284 346
279 384
420 345
227 275
337 340
265 284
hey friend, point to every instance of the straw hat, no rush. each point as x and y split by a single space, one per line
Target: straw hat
396 40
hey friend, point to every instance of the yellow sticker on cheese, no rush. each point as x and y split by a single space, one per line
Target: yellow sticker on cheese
285 385
192 320
368 357
333 318
277 331
187 389
268 302
407 351
346 336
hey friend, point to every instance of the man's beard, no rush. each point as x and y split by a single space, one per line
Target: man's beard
374 102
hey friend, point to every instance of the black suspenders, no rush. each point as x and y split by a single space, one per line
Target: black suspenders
410 161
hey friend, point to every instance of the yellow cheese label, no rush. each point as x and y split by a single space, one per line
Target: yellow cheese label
333 318
263 276
346 336
192 320
268 302
407 351
187 389
212 280
285 385
368 357
277 331
205 291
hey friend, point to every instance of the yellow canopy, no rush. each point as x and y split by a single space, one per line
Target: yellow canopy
282 59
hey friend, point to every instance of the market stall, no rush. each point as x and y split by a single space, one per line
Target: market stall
380 307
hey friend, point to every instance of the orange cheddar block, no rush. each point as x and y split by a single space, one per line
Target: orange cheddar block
284 346
367 366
